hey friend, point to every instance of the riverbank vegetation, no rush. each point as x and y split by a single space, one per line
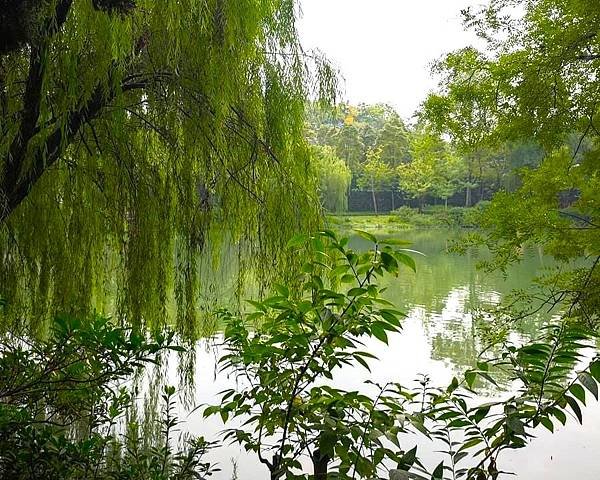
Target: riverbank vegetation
139 138
393 164
405 218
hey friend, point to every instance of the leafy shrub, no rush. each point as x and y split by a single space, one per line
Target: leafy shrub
63 403
285 354
439 216
286 350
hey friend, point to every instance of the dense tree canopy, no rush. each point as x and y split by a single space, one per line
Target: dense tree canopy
433 171
538 86
127 129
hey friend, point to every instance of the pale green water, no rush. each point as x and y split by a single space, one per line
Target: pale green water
448 290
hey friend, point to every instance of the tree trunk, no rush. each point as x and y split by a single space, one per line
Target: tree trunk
393 202
374 197
320 463
17 182
446 203
275 468
468 196
480 178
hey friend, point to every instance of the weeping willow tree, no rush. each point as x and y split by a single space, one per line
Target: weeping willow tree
334 178
138 137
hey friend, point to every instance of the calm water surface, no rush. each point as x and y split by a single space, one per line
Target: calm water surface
438 338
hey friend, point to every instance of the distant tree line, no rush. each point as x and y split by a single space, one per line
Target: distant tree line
370 148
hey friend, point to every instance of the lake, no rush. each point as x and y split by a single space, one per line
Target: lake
439 338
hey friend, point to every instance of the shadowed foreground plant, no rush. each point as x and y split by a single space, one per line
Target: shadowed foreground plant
64 405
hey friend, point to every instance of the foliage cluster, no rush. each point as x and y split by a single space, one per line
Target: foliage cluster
67 409
384 154
438 216
127 134
286 354
301 337
537 81
334 178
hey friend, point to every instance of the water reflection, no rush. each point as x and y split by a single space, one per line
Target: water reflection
448 292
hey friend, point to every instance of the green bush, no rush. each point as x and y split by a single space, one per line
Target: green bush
440 216
64 407
286 351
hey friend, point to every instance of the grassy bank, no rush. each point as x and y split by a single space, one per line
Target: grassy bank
407 218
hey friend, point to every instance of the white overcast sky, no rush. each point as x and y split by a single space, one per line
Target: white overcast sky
384 48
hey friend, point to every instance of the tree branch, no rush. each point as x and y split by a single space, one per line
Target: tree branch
30 113
19 184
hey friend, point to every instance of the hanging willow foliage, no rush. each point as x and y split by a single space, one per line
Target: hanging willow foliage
140 137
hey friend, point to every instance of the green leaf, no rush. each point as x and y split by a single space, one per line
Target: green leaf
588 382
575 407
407 459
483 366
459 456
407 260
363 362
328 233
416 252
208 411
296 241
282 290
340 270
578 391
366 236
177 348
470 443
379 332
453 385
224 415
595 370
470 378
257 305
546 422
488 377
348 278
327 441
395 241
357 291
515 425
438 473
535 349
378 456
481 413
389 262
559 415
390 317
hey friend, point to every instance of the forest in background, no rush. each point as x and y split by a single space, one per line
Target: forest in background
369 148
